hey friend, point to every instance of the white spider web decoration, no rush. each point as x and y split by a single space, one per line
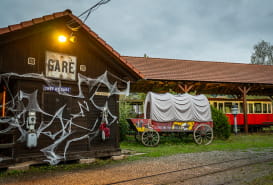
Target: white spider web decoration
21 103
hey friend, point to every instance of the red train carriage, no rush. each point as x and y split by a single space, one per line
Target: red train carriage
174 113
259 112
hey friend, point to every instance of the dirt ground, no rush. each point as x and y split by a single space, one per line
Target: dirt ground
192 168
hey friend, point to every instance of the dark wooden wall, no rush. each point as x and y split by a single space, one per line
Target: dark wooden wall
51 102
16 47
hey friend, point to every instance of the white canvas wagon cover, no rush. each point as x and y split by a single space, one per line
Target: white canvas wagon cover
182 107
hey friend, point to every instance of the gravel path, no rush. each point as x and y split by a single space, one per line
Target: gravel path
137 169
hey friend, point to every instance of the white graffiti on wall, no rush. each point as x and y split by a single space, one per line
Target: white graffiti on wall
23 107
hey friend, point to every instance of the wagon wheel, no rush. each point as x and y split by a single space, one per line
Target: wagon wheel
137 136
150 138
203 134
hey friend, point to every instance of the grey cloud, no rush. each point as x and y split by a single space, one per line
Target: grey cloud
221 30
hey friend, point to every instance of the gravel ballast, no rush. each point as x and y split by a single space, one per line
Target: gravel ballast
171 170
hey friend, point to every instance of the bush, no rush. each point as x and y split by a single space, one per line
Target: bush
221 127
124 111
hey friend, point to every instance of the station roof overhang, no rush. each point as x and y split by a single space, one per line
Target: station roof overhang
201 77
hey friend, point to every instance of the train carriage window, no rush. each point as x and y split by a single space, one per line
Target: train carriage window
258 107
241 108
220 106
250 108
228 106
264 107
137 109
215 104
269 108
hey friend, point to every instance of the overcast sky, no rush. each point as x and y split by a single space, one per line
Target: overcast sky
209 30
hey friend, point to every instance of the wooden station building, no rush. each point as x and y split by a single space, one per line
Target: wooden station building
54 93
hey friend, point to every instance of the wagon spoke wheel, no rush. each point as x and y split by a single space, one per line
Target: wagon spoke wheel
150 138
203 134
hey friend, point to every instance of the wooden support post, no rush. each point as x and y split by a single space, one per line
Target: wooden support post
244 92
185 88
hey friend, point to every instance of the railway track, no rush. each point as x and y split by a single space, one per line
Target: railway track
231 165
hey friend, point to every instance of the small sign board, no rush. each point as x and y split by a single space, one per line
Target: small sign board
102 93
31 61
57 89
60 66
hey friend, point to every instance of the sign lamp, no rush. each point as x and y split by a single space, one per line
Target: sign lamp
62 38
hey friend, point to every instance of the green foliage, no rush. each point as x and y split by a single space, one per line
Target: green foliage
124 111
221 127
136 96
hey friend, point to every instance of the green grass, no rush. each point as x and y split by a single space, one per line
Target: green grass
170 145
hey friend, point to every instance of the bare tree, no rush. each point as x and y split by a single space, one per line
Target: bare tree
263 53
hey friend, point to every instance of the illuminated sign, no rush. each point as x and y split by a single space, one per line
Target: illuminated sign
60 66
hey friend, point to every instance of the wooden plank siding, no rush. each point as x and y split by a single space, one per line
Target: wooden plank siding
34 41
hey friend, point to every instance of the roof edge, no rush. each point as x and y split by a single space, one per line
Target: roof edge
68 12
158 58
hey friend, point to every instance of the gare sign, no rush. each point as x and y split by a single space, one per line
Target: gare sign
60 66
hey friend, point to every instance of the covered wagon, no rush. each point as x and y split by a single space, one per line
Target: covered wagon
181 113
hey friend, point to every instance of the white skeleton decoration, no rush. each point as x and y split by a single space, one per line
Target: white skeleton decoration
23 116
